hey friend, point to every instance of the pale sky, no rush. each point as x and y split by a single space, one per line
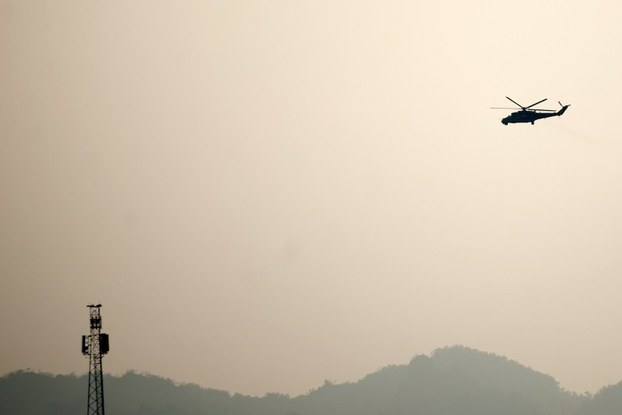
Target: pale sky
267 194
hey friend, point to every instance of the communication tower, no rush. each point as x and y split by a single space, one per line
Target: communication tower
95 345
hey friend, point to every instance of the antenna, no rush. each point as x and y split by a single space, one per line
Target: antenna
95 345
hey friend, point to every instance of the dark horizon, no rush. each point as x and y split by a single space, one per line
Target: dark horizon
478 383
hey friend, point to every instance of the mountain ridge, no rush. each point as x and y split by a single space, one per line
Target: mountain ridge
451 380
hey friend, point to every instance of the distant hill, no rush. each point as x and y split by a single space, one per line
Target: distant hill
452 381
608 401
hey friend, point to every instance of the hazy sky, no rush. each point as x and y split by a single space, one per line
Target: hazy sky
267 194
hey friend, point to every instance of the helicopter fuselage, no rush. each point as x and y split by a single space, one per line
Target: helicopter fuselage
526 115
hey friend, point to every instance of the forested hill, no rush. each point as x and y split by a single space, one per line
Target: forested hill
452 381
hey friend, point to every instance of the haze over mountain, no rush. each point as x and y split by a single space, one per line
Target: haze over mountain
451 381
265 194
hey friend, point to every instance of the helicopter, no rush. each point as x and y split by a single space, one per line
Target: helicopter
529 113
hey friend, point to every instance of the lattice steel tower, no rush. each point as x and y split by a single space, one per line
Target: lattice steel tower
95 346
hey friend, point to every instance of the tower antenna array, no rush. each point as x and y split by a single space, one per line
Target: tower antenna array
95 345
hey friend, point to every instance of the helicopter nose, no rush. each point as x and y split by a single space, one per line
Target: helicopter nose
504 122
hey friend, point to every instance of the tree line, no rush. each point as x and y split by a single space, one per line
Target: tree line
452 381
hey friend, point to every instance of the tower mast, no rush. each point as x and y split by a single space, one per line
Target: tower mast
95 345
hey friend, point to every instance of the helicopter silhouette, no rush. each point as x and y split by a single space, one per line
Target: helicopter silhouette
530 114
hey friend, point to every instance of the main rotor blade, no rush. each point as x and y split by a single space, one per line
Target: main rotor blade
515 102
502 108
532 105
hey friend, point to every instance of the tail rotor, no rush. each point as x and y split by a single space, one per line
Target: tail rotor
563 109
